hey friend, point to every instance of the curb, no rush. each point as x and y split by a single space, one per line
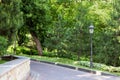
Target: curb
79 69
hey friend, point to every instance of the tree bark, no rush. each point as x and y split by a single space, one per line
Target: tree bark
38 44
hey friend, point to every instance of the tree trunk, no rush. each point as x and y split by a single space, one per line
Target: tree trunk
38 44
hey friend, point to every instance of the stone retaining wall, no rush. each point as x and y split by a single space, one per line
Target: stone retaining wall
17 69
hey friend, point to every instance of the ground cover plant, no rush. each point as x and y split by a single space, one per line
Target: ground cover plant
2 61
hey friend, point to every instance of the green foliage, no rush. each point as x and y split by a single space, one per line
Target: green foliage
3 45
25 50
11 17
68 33
2 61
50 54
34 19
100 66
62 28
10 20
108 50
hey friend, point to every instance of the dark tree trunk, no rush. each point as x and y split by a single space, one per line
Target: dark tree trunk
38 44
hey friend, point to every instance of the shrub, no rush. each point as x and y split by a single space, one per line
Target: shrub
49 54
21 49
100 66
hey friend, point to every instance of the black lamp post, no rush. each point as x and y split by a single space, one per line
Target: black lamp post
91 30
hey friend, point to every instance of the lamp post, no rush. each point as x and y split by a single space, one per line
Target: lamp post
91 30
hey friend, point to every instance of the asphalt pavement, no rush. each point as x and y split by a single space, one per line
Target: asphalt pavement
46 71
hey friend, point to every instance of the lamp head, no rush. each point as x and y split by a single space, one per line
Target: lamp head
91 29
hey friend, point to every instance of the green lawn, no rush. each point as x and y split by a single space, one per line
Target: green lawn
2 61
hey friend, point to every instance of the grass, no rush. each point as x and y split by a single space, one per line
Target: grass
64 61
2 61
50 59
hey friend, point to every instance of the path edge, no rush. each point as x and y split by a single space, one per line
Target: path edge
77 68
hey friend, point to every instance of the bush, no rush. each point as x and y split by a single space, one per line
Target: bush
21 49
49 54
84 63
25 50
100 66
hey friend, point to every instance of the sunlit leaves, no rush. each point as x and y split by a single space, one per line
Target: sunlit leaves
10 21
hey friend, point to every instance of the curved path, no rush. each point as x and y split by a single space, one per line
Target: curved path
51 72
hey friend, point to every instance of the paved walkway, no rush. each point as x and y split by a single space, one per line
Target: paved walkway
45 71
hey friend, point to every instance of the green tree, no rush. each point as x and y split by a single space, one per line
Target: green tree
62 28
35 20
10 20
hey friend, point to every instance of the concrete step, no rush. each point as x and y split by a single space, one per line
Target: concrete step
33 76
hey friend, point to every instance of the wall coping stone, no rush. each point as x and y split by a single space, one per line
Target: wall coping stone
8 66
